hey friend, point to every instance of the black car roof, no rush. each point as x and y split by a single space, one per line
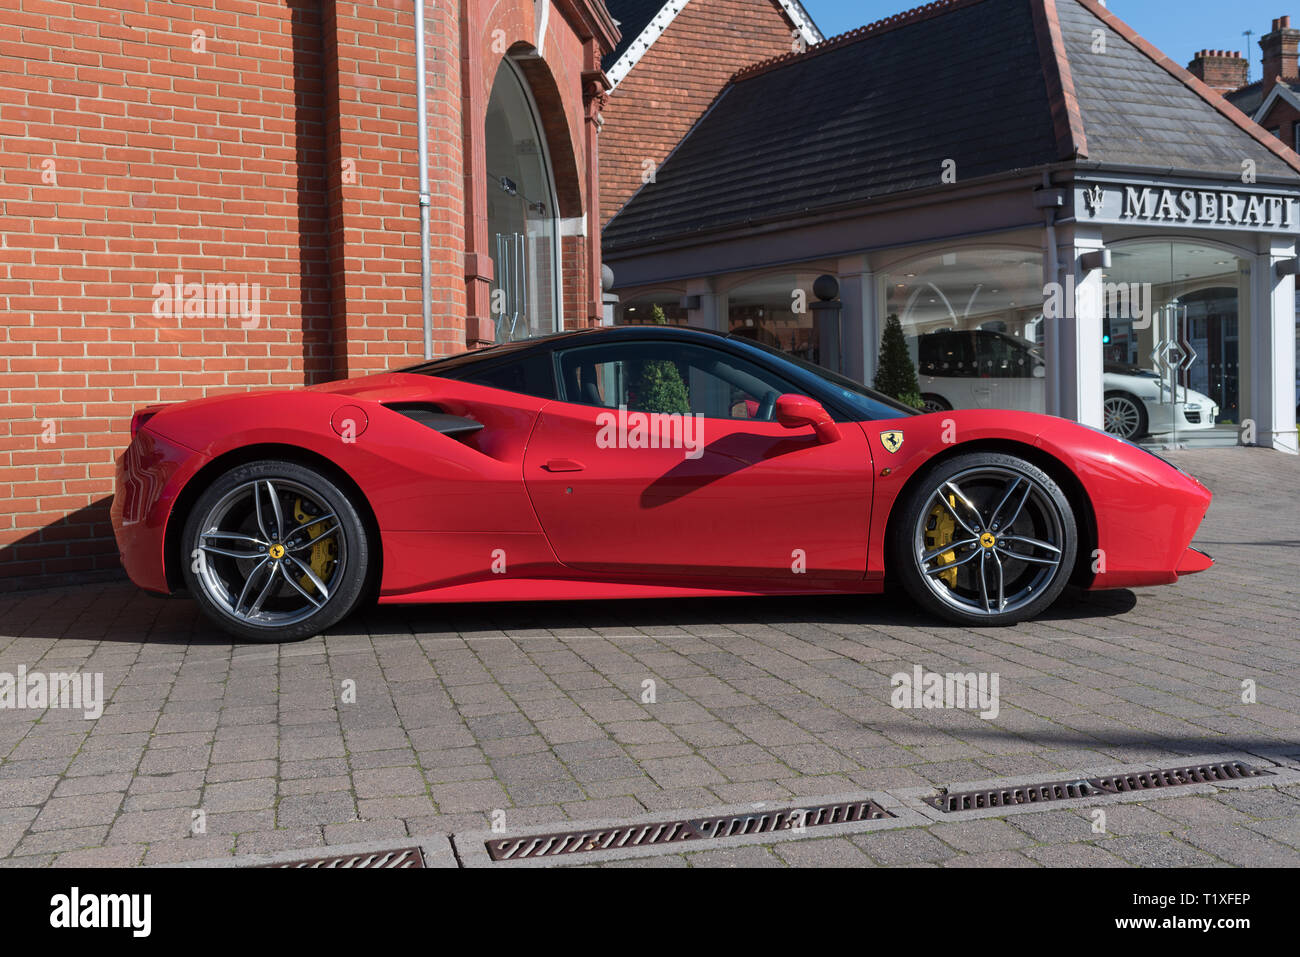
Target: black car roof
523 347
817 381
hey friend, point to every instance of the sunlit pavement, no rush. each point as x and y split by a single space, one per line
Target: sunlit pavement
541 711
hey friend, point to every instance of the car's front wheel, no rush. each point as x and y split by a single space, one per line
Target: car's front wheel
276 551
985 539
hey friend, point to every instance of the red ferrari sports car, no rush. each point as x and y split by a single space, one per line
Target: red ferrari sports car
628 463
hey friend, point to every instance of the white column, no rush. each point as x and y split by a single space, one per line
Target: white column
1272 349
858 317
1072 341
710 314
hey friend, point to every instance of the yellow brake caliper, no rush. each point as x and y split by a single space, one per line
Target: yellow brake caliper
940 530
323 554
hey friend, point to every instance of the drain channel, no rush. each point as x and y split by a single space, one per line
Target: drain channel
405 858
1091 787
677 832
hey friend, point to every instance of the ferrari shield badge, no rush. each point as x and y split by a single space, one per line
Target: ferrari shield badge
892 441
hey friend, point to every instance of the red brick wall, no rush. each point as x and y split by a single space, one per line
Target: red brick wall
1284 118
269 143
655 105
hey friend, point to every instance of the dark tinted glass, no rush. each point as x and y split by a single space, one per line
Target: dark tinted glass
670 377
532 375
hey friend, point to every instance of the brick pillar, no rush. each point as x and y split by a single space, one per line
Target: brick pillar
595 94
480 330
372 187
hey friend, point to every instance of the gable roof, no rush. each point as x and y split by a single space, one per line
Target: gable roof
1247 98
1282 90
875 113
642 22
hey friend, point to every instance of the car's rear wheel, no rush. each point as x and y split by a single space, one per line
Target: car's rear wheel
1124 416
985 539
935 403
275 551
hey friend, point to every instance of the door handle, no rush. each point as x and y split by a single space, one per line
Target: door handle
563 465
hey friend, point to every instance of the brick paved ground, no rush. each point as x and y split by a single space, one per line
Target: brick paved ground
536 710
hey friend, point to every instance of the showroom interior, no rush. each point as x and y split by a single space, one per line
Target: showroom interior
937 193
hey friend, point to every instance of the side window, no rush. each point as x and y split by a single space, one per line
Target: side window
533 375
1002 358
947 355
670 378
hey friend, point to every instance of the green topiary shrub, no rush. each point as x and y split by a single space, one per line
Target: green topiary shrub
660 388
895 373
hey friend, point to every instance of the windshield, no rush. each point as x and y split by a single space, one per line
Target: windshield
865 402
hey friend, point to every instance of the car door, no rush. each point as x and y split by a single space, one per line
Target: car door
662 460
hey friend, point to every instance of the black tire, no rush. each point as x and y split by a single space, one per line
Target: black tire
935 403
1014 589
237 559
1125 416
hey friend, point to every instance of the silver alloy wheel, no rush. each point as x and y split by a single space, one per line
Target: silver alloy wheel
1122 416
253 557
1007 541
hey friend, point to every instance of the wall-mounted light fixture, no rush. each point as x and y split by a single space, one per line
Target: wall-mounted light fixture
1097 259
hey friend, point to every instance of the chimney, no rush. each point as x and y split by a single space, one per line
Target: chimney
1220 70
1281 51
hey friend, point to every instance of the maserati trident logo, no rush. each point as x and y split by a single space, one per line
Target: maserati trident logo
1095 198
892 441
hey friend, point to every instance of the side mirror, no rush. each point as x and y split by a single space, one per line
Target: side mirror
797 411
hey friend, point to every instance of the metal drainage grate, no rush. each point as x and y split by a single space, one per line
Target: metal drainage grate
1177 777
677 832
1091 787
1007 797
402 858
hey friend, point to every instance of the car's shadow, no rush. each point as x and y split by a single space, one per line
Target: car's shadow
146 619
873 611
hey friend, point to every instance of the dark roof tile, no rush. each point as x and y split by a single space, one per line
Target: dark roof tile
989 84
865 119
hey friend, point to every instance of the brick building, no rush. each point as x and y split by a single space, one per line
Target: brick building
1272 101
673 59
224 195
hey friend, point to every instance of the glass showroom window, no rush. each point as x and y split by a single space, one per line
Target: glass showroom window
973 322
1175 357
775 310
640 310
521 214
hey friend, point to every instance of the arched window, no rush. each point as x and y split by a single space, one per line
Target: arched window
972 318
523 238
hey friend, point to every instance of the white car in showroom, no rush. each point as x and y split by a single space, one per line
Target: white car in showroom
977 368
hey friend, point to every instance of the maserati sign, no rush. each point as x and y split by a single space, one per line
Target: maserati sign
1125 203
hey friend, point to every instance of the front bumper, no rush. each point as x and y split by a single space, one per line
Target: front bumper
1194 560
150 474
